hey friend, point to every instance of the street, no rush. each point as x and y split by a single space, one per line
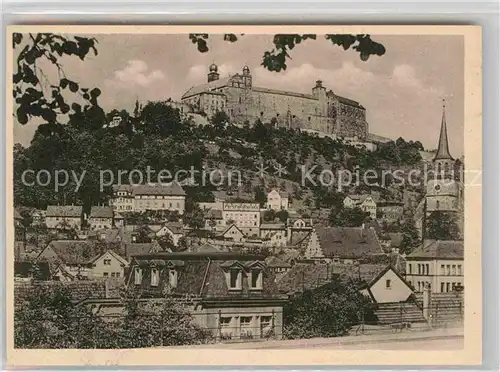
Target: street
439 344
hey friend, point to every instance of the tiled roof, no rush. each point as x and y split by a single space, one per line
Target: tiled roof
79 252
172 188
137 249
215 285
289 254
348 101
206 278
305 276
79 290
215 214
101 212
273 261
347 242
175 227
362 197
110 235
73 252
64 211
272 226
440 249
299 238
205 248
283 92
198 89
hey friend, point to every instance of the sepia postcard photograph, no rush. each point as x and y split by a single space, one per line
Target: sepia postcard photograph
185 195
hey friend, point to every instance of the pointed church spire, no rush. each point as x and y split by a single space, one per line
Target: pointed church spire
443 151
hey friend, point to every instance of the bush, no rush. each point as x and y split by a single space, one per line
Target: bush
48 319
328 311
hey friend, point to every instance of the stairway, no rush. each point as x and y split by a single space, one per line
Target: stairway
399 312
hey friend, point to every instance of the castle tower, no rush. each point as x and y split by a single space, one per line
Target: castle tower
319 92
213 73
247 77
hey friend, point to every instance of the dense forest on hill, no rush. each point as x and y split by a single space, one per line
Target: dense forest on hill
156 136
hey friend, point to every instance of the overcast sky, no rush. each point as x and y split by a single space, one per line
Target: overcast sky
402 91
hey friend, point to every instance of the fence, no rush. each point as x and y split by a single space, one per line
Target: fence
408 316
117 330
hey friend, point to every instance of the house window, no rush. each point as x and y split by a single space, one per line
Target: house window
448 271
137 276
442 287
427 269
447 287
246 327
256 279
107 262
172 278
105 275
409 269
155 277
225 326
442 270
388 284
235 279
454 269
459 269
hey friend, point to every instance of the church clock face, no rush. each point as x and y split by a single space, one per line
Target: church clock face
437 188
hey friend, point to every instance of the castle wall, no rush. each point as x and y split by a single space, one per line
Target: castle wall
351 122
321 111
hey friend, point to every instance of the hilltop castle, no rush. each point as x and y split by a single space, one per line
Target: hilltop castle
322 111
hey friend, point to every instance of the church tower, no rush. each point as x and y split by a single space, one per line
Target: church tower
443 161
443 191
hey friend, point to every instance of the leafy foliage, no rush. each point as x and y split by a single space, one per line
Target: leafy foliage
276 59
442 225
48 318
328 311
348 217
37 95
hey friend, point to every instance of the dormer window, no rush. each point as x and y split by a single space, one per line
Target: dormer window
137 276
155 277
255 279
235 276
172 278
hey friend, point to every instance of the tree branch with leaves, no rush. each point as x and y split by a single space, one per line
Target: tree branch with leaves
36 94
276 59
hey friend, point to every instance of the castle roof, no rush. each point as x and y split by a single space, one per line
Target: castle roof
207 87
211 87
443 152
